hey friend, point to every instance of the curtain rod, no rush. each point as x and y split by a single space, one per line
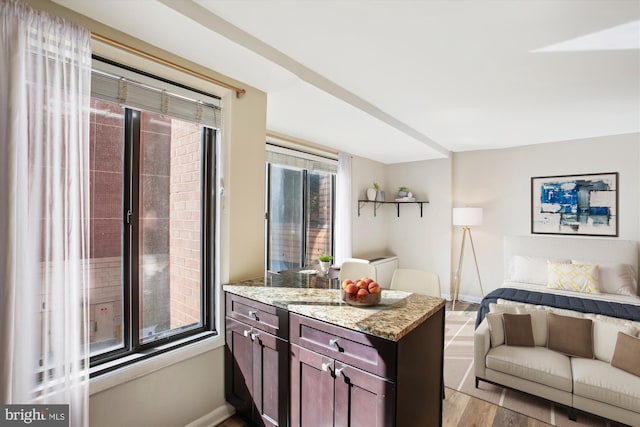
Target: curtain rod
239 91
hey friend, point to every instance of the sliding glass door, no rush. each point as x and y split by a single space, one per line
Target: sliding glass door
284 218
300 216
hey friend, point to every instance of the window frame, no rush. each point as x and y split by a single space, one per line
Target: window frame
132 349
305 201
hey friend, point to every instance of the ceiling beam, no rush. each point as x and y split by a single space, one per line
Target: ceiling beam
213 22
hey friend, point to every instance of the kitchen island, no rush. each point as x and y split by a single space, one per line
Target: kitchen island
296 354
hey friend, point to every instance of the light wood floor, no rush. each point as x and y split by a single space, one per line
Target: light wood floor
458 409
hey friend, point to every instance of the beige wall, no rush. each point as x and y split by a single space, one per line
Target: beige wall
499 181
172 396
420 242
369 233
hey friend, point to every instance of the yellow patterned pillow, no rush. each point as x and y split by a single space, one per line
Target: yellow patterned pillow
573 277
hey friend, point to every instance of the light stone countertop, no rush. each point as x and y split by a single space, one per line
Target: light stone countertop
397 314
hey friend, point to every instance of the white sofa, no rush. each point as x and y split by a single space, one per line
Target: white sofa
590 385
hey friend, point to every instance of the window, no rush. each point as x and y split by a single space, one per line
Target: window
300 208
153 153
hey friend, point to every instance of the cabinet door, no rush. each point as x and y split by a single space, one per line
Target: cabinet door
362 399
270 379
239 366
312 398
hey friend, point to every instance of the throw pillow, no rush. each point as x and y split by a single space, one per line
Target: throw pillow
615 278
538 323
529 269
572 336
518 330
605 334
573 277
627 354
496 328
494 319
503 308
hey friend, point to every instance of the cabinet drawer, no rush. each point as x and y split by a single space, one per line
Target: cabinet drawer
372 354
265 317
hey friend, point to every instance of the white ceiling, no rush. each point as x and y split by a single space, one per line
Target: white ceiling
406 80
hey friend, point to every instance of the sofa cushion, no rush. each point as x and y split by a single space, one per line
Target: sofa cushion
597 380
538 323
570 335
537 364
561 311
626 355
496 326
518 330
605 334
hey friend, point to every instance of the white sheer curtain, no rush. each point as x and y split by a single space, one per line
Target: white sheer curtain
45 64
342 242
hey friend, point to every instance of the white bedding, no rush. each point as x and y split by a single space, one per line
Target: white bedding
536 250
624 299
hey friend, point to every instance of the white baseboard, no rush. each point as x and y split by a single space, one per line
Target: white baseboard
470 298
214 417
464 298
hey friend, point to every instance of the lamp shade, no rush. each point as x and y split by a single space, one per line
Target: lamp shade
467 216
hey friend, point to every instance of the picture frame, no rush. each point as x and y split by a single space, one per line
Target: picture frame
583 205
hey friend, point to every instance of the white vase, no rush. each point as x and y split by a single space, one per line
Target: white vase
371 194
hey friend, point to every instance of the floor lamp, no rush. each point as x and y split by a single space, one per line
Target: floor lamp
466 217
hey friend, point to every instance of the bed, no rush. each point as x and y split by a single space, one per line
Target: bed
527 275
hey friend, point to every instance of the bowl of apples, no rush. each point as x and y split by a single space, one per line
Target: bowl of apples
363 292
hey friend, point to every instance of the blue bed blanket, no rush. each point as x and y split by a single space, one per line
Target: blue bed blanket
584 305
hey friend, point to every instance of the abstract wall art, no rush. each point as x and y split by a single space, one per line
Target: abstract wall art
584 205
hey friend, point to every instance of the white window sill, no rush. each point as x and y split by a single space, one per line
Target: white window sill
146 366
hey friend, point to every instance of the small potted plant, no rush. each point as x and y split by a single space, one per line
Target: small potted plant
403 191
325 262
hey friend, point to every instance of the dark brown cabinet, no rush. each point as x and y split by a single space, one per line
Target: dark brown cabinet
257 361
325 392
286 369
341 377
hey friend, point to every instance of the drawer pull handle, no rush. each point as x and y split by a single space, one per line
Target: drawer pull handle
246 332
338 372
254 336
325 366
334 343
253 314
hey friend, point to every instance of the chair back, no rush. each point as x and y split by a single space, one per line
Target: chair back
355 270
416 281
